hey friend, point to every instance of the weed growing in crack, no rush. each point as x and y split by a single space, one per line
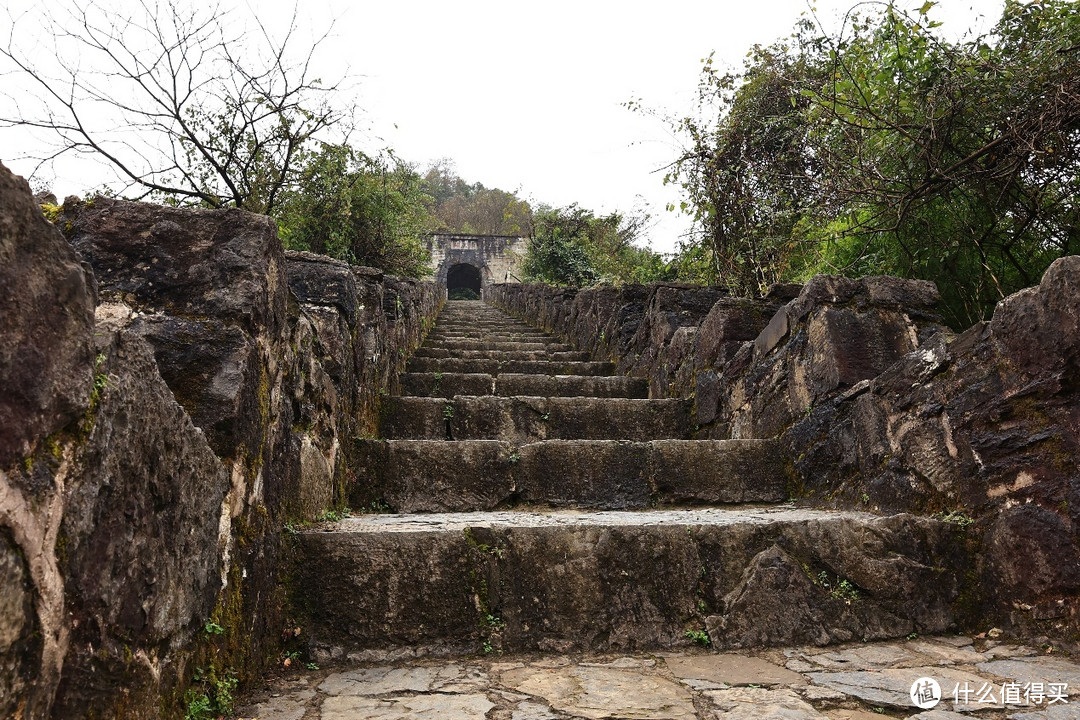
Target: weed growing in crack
333 515
699 637
956 517
839 589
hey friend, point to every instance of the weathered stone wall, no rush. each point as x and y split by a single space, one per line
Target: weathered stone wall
881 407
666 332
175 390
986 423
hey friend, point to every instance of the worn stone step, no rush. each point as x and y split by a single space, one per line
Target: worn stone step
546 345
474 332
473 323
622 581
467 307
523 420
564 356
464 475
482 330
494 367
448 385
494 318
483 325
501 338
490 337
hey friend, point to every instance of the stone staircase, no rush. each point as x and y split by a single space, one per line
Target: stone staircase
541 502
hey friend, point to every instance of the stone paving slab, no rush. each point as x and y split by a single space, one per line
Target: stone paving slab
421 522
705 685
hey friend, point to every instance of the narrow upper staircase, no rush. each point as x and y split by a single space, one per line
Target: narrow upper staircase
542 502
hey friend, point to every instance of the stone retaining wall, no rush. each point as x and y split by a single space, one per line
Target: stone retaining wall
880 407
662 332
175 389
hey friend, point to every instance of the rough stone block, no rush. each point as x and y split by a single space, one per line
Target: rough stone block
46 325
146 530
607 474
618 418
718 471
571 385
440 476
322 281
446 385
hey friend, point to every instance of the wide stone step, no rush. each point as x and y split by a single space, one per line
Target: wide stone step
464 475
474 327
492 366
501 333
448 385
442 338
467 324
565 356
523 420
624 581
546 345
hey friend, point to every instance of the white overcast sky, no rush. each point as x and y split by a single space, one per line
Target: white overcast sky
528 96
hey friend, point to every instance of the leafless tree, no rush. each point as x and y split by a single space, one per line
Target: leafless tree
188 104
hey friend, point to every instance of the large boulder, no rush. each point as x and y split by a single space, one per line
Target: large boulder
211 295
664 340
46 389
149 455
142 554
837 333
731 324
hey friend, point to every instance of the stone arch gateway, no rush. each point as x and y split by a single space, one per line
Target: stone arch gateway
475 261
464 275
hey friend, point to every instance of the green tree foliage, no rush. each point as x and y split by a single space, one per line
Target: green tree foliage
957 163
359 209
557 249
571 246
460 207
748 173
884 149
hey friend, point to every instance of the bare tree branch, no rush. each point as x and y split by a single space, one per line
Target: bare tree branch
179 100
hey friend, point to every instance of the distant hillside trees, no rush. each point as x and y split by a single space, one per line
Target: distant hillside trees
461 207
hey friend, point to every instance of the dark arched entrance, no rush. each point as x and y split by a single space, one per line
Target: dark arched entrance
463 278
